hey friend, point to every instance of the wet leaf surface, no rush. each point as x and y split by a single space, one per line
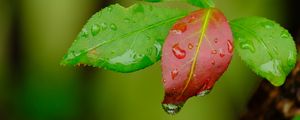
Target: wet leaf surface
123 39
266 47
196 53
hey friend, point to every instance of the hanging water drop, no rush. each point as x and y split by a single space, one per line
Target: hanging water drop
178 52
95 29
229 46
179 28
172 109
113 27
291 60
157 46
174 73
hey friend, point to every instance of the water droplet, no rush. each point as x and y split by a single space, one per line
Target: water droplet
174 73
190 46
149 51
172 109
203 93
179 28
109 8
272 67
213 62
216 40
247 45
285 34
95 29
291 60
268 25
192 19
126 58
178 52
84 33
127 20
214 52
194 75
164 81
113 27
230 46
157 46
103 26
221 53
71 55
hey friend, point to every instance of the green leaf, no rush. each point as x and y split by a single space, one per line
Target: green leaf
199 3
266 47
123 39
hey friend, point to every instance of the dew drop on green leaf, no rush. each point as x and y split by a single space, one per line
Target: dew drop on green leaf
247 45
103 26
95 29
284 34
113 27
268 25
109 9
127 20
84 33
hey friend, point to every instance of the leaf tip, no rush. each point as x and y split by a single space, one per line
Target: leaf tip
278 81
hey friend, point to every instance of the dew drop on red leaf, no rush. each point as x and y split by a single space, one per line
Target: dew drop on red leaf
222 54
198 63
174 73
214 52
230 46
216 40
179 28
192 19
190 46
213 62
178 52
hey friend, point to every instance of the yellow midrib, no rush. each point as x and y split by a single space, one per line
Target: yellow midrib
202 35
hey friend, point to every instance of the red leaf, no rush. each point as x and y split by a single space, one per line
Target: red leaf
196 53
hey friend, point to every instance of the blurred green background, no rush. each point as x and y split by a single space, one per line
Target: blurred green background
35 34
